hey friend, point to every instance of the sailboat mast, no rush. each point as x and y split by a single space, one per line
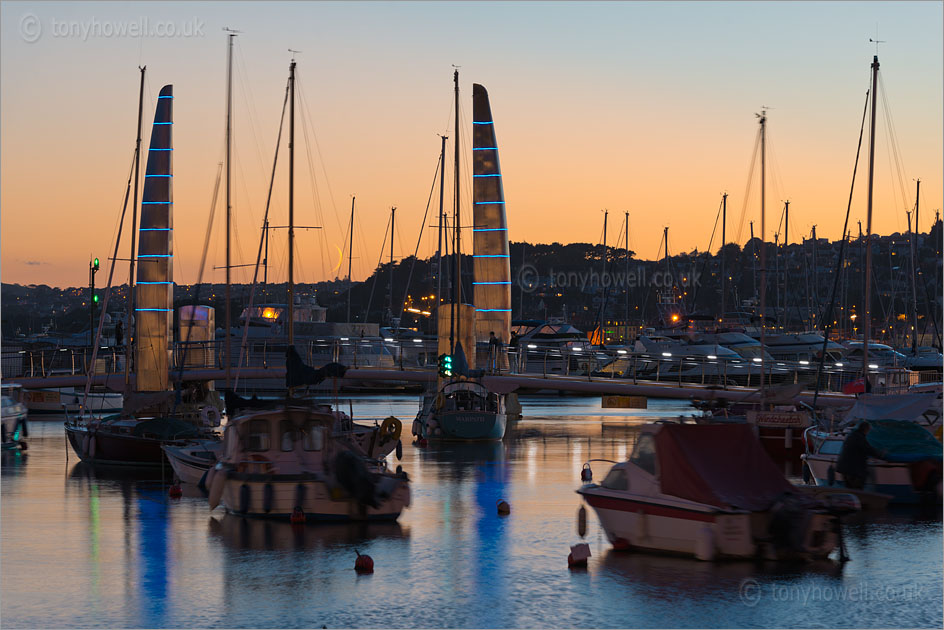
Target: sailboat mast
786 275
914 275
291 205
350 258
606 214
763 249
724 221
229 205
626 288
867 328
393 219
439 246
454 325
134 231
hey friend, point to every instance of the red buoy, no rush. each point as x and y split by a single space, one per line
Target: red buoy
364 563
422 442
175 492
298 516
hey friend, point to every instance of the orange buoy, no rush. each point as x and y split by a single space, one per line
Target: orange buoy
364 563
503 508
298 516
175 492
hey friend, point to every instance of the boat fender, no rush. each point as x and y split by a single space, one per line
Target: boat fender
210 416
582 521
364 563
503 508
267 496
399 450
642 527
705 544
831 475
23 446
244 495
298 516
21 425
440 402
399 470
202 484
578 555
175 491
216 485
390 429
807 475
586 474
417 428
299 495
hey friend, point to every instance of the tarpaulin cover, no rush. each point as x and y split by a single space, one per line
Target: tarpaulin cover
910 406
721 465
904 441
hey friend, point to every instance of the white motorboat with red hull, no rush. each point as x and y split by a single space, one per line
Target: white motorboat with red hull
708 491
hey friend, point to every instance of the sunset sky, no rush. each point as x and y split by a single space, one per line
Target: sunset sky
641 107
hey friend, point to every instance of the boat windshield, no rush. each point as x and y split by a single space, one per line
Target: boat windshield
644 455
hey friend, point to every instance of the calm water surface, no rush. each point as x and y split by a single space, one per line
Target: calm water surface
83 548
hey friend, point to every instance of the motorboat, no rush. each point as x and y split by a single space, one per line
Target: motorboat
708 491
13 423
295 460
192 460
910 471
57 400
463 409
925 359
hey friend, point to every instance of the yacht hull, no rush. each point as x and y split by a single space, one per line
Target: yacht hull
891 478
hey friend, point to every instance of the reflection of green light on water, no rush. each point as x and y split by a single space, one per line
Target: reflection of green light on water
94 535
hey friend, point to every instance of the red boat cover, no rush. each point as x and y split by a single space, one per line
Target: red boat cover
721 465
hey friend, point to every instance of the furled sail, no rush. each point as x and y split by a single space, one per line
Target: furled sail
492 268
155 277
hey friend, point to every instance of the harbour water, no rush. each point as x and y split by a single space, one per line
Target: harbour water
90 549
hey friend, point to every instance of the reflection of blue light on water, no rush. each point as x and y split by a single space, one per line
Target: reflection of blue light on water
490 571
152 523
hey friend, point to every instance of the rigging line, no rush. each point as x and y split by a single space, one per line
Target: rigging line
892 137
319 211
320 156
747 190
827 317
203 259
409 278
265 219
377 271
111 273
704 263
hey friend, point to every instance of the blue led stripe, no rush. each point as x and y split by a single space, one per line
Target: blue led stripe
489 229
165 96
155 255
155 283
493 310
504 282
152 175
489 175
486 122
151 203
163 123
485 203
490 256
155 229
485 148
162 310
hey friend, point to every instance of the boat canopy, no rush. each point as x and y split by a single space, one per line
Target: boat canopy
720 465
911 407
904 441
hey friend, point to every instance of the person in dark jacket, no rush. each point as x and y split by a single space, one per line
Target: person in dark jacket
853 463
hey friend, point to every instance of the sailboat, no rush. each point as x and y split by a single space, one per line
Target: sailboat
153 414
297 460
463 408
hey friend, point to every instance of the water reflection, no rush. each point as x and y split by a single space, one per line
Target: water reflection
258 534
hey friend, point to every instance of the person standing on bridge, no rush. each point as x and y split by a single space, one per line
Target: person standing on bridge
494 352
